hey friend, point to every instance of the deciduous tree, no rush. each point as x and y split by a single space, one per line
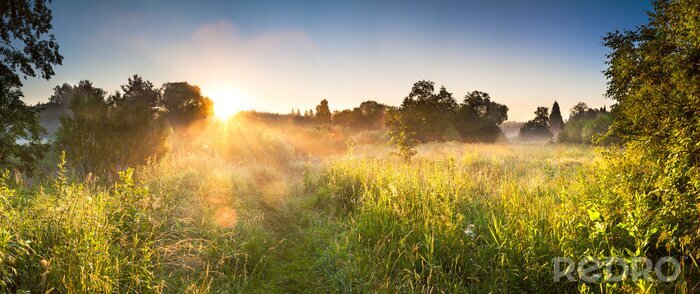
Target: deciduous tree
185 107
323 112
538 127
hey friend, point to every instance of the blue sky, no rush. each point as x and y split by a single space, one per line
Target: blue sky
279 55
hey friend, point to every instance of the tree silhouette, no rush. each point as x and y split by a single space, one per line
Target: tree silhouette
478 117
323 113
368 116
25 43
426 113
538 127
138 123
372 115
556 122
437 116
184 107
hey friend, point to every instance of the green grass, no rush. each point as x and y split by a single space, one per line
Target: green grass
459 218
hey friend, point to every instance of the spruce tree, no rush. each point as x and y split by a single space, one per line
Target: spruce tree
555 120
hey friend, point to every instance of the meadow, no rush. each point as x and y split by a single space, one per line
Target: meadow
457 218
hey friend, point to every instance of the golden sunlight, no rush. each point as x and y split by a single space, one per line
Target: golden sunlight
227 102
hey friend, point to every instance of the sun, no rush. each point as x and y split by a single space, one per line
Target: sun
227 102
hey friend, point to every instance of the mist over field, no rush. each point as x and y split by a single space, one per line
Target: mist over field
491 175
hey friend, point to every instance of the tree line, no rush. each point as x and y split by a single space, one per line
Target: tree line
103 134
584 126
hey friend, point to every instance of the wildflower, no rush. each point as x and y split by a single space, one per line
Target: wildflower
469 231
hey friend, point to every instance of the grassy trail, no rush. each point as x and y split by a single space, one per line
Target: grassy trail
300 234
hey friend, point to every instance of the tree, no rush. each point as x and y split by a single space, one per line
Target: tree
581 110
403 139
654 76
426 113
104 135
368 116
372 113
58 106
185 107
556 122
20 132
586 125
61 94
25 49
537 128
138 123
86 134
438 117
25 43
346 118
323 113
478 117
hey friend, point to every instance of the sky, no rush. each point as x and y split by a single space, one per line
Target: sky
282 55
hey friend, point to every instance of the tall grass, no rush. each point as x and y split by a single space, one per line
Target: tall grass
168 227
458 218
474 218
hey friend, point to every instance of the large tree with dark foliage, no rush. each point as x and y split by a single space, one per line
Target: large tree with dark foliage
436 116
104 135
427 113
478 117
538 127
26 49
138 123
185 107
654 76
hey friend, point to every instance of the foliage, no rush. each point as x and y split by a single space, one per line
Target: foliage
85 135
323 113
20 132
368 116
654 77
167 227
538 127
464 218
432 115
556 122
26 48
25 43
478 117
105 135
425 112
186 110
477 218
587 126
404 140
